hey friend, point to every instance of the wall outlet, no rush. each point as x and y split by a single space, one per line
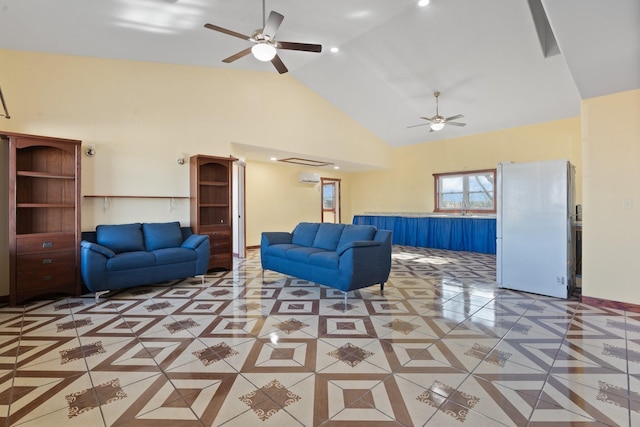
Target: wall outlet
627 204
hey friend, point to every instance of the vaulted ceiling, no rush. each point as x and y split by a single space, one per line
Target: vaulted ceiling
494 61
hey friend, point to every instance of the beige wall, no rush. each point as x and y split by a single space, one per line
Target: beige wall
611 153
276 201
408 185
142 116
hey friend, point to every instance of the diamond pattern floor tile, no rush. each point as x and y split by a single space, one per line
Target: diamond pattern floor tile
444 346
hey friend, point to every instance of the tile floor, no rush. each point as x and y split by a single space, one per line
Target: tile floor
443 347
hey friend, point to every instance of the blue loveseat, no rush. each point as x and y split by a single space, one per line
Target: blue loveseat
344 257
126 255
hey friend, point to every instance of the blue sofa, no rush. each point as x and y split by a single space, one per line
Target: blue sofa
126 255
344 257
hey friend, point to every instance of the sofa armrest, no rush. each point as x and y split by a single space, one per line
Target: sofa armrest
93 265
98 248
357 244
194 241
367 262
200 244
275 237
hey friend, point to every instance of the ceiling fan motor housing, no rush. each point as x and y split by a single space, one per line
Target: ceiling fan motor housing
258 37
265 46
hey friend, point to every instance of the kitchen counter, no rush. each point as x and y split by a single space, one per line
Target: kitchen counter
473 233
431 215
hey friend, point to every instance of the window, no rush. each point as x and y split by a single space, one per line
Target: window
328 200
472 191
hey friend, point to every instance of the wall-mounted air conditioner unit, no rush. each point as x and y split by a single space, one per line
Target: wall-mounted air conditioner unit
312 178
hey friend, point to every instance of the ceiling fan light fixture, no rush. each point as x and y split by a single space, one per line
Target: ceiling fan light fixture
437 126
263 51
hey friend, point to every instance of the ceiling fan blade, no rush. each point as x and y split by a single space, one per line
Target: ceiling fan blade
277 62
307 47
459 116
273 23
415 126
238 55
456 124
225 31
429 119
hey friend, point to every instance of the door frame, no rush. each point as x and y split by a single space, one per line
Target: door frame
239 209
337 182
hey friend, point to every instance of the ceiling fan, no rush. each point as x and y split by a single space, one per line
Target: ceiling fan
265 47
438 122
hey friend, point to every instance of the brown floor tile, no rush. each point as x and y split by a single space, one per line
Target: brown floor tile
443 346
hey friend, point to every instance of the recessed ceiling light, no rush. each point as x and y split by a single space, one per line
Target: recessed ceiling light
273 159
334 49
336 167
423 3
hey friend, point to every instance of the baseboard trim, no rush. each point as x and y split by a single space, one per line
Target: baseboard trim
599 302
253 247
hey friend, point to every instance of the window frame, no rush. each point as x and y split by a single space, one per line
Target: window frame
436 191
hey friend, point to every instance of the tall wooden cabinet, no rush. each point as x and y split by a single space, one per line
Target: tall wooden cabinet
211 206
44 216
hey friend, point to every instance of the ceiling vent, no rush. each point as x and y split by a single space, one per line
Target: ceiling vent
305 162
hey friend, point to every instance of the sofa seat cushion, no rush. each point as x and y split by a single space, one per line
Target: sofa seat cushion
174 255
328 236
162 235
280 250
302 254
326 259
131 260
121 238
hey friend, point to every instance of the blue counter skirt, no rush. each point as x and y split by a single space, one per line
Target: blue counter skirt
456 234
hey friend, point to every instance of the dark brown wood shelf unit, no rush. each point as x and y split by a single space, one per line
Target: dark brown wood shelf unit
211 202
44 216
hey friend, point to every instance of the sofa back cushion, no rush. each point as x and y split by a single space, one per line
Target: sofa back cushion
304 234
353 233
162 235
121 237
328 236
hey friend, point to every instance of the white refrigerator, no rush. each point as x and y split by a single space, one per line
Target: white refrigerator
534 229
